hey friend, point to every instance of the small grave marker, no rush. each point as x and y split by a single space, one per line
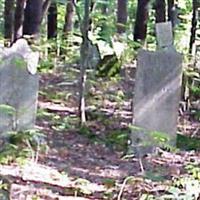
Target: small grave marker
164 34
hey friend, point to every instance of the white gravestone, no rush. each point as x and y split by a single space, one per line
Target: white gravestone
18 87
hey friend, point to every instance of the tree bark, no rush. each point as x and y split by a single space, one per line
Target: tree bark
9 20
84 60
33 16
173 13
52 21
121 16
170 4
140 28
68 26
194 25
19 18
160 7
104 8
45 8
92 8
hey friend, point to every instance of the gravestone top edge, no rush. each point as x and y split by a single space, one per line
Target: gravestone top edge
171 49
21 49
168 50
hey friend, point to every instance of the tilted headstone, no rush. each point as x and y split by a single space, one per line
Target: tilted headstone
156 97
164 34
18 87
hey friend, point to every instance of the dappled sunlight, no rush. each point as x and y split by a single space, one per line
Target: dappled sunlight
90 100
161 94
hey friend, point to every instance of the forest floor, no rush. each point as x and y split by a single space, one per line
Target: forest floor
91 162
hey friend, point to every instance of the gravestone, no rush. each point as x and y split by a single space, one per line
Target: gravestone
18 87
164 34
156 98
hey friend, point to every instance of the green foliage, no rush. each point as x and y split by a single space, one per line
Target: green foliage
188 143
109 66
34 137
20 63
118 139
20 146
84 130
43 113
6 109
12 153
158 174
109 182
4 188
151 138
195 91
46 66
191 73
104 26
196 114
193 170
61 125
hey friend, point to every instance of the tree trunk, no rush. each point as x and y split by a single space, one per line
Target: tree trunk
45 8
194 25
104 8
160 7
68 26
84 60
140 28
92 8
19 18
173 13
170 4
9 20
33 16
121 16
52 21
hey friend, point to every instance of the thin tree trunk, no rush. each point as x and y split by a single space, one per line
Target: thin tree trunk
9 20
52 21
92 8
33 16
121 16
68 26
84 60
173 13
170 4
140 28
160 14
45 8
104 8
194 25
19 18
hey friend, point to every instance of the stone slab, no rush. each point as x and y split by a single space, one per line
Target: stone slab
157 93
18 87
164 34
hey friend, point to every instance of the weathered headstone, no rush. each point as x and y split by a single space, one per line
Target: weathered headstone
164 34
18 87
157 95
